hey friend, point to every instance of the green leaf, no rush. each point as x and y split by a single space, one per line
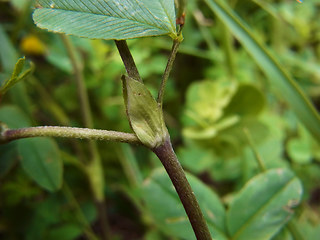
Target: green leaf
247 101
13 117
41 161
264 205
20 5
278 77
112 19
17 75
8 54
67 231
284 234
8 156
144 114
207 99
195 159
300 151
167 211
303 149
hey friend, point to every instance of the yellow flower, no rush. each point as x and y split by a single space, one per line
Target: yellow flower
32 45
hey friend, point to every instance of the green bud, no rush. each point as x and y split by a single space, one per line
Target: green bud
145 116
17 75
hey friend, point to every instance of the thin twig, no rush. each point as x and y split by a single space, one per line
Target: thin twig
90 235
128 60
228 49
81 88
67 132
169 66
258 157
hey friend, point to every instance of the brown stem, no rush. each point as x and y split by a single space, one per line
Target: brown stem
172 57
128 60
103 220
81 88
172 165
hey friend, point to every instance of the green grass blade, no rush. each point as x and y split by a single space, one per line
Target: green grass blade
278 77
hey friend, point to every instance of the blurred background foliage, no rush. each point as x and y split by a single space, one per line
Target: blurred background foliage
219 107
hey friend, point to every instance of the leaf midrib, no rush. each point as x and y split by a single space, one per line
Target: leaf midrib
264 205
111 16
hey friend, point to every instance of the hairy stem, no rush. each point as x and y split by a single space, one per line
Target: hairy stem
172 57
128 60
171 163
67 132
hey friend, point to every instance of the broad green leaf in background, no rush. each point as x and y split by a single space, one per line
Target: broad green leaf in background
41 160
167 211
207 99
284 234
12 117
247 101
195 159
264 205
8 157
302 149
55 217
307 225
8 55
278 77
112 19
66 231
152 235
